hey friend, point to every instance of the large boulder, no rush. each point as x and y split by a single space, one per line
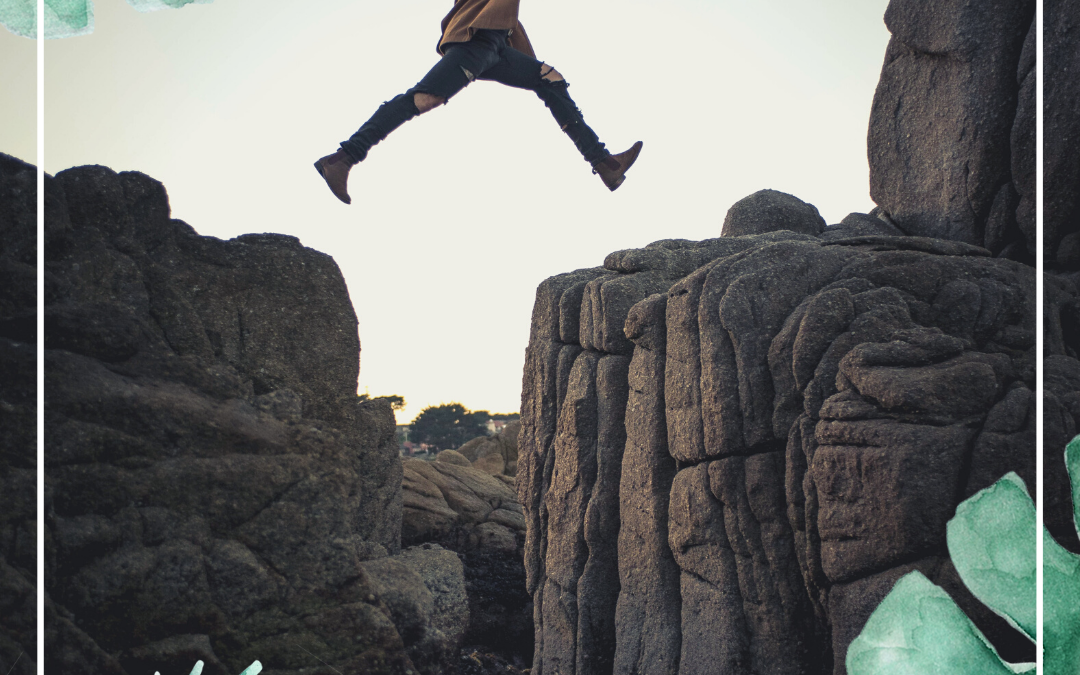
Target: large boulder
797 419
466 509
951 126
214 488
771 211
424 589
18 416
456 504
495 455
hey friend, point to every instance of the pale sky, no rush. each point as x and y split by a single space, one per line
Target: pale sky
18 97
460 213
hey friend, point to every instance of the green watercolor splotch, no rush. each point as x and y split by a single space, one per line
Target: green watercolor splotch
918 628
68 18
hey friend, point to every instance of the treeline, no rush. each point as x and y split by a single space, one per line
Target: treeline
448 425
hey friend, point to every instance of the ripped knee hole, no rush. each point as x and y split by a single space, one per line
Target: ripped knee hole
551 75
425 102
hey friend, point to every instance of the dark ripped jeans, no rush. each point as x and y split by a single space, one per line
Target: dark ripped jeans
488 56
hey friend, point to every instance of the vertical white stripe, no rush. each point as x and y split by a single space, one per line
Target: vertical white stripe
40 161
1040 263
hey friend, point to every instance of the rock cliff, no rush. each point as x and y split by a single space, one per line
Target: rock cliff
731 449
1061 137
952 128
18 416
215 490
465 502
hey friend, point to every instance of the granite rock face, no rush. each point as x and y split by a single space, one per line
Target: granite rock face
1061 136
215 490
771 211
18 416
1061 297
952 128
454 503
424 589
793 422
458 504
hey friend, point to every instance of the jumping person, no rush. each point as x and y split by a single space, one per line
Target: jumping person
481 39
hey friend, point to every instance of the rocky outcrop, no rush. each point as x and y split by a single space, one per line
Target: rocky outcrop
18 416
457 504
424 589
771 211
452 502
730 448
1061 137
496 455
1061 297
215 490
952 129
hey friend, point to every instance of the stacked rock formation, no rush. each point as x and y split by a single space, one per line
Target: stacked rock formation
1061 137
952 128
1061 223
495 455
470 506
731 449
455 503
18 416
215 490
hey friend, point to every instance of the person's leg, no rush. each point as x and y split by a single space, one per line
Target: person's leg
519 70
451 74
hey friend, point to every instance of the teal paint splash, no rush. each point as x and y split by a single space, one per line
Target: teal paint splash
1061 588
68 18
917 628
19 17
254 669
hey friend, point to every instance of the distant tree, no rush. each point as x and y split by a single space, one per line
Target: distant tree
448 425
396 402
506 417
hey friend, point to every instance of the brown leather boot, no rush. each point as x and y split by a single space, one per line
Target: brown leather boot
335 171
613 169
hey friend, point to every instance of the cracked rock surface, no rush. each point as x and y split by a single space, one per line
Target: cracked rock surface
780 429
1061 289
215 490
18 416
951 142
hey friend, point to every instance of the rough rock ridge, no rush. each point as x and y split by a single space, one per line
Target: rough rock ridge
18 416
731 449
952 128
1061 296
215 490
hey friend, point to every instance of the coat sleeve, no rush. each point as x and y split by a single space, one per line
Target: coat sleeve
519 40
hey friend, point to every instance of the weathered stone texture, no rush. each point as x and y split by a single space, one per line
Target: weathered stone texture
951 129
800 414
1061 136
1061 298
215 489
18 416
771 211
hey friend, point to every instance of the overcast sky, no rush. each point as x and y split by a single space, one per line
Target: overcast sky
461 213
